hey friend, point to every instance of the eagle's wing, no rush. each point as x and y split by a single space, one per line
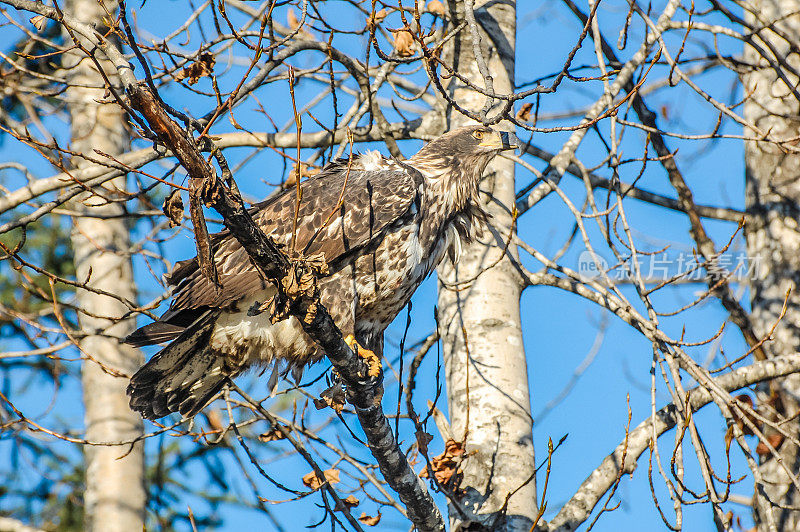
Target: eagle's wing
372 201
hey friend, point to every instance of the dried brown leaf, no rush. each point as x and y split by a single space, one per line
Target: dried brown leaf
39 22
436 7
291 19
277 307
446 465
333 397
747 403
173 208
312 481
423 439
728 438
403 43
454 448
370 520
775 440
203 66
351 501
305 171
377 18
215 420
299 281
317 263
273 434
524 113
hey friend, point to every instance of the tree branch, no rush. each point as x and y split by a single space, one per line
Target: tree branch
706 211
8 524
97 174
580 506
363 392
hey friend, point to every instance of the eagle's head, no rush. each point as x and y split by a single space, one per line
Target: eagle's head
453 165
466 150
456 160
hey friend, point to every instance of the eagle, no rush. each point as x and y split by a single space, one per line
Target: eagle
381 225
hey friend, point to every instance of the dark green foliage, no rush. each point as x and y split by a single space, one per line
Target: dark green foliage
48 246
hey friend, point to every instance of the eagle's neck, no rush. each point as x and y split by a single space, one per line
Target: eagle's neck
454 212
454 185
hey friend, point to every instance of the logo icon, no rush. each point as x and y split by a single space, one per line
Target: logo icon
591 265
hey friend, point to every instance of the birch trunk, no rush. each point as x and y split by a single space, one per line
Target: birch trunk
115 496
485 365
773 241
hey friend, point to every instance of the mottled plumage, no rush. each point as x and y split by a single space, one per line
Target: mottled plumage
394 224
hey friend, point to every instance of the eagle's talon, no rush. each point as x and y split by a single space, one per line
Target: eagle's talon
373 361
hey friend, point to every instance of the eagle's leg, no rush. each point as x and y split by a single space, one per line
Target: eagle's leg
373 361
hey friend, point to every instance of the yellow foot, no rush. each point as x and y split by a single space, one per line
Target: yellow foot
373 361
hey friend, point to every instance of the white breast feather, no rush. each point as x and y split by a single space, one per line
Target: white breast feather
453 241
260 340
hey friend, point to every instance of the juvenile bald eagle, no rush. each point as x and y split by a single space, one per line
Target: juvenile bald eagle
393 226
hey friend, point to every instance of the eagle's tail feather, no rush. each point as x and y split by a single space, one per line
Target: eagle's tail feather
153 333
182 377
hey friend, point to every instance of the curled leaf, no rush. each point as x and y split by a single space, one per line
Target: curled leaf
173 208
377 18
370 520
39 22
305 171
351 501
203 66
423 439
747 407
775 440
436 7
298 282
317 263
403 43
333 397
524 113
214 420
445 466
273 434
312 481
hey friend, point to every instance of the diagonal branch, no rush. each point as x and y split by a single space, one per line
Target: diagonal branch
623 80
706 211
705 245
597 484
364 392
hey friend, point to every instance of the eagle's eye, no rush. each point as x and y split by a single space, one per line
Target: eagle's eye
478 134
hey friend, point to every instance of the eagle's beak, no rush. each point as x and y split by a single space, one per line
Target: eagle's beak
500 140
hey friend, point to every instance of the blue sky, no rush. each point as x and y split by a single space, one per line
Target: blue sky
559 328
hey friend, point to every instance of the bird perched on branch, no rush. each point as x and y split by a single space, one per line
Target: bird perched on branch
380 225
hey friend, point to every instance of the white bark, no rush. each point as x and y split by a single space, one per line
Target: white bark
772 233
8 524
485 365
115 495
623 460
